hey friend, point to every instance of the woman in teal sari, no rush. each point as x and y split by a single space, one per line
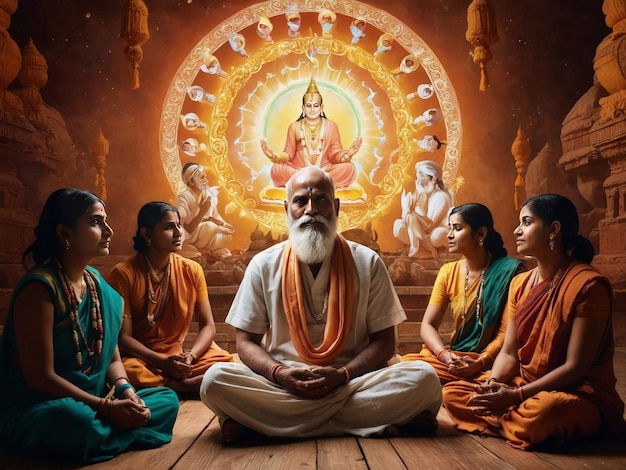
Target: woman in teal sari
64 393
475 288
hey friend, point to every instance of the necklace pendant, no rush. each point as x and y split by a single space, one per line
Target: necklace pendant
150 319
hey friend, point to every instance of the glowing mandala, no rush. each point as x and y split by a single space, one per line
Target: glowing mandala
244 82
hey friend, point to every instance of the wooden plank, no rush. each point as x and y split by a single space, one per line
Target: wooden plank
339 453
498 447
445 452
449 448
606 457
297 454
288 455
203 450
380 454
519 459
193 418
207 452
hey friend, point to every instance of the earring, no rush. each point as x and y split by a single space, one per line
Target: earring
148 242
67 245
551 243
480 242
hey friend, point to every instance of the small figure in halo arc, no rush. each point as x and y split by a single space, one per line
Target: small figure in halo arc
357 29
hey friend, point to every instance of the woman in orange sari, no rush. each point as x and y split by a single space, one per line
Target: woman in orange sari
553 381
162 292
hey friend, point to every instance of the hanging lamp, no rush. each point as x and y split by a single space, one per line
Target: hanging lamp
481 32
134 32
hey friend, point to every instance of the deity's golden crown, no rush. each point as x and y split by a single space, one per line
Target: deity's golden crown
312 90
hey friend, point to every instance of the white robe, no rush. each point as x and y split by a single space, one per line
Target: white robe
367 405
207 235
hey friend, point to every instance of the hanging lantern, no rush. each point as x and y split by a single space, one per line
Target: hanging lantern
521 151
100 149
134 33
481 31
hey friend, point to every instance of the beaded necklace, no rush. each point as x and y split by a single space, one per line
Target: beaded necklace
154 305
78 335
479 295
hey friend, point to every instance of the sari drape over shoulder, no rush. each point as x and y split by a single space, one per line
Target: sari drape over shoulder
471 336
29 420
544 315
186 287
544 323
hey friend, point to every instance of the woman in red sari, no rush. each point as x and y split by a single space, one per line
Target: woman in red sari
553 380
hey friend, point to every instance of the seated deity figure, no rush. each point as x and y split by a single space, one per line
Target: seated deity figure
206 232
313 140
424 212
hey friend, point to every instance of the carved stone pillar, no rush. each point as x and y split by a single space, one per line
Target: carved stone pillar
33 77
10 59
600 159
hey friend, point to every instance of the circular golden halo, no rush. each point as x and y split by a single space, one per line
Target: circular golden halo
218 147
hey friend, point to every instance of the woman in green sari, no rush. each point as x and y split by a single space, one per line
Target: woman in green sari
475 287
64 393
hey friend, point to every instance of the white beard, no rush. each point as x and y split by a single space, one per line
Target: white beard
312 246
425 186
423 189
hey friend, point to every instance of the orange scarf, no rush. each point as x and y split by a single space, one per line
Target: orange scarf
340 300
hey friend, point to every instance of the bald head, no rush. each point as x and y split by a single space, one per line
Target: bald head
309 177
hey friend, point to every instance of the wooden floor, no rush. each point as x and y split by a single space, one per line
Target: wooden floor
196 445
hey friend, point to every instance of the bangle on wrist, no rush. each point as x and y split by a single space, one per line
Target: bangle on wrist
441 354
120 378
519 393
104 408
491 380
274 370
194 358
99 408
121 388
347 375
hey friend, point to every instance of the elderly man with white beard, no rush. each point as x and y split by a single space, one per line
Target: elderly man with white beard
206 232
315 321
424 221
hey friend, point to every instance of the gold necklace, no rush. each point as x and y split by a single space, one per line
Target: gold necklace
319 317
154 305
313 130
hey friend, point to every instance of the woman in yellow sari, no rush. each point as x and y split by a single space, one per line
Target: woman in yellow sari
553 381
475 288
